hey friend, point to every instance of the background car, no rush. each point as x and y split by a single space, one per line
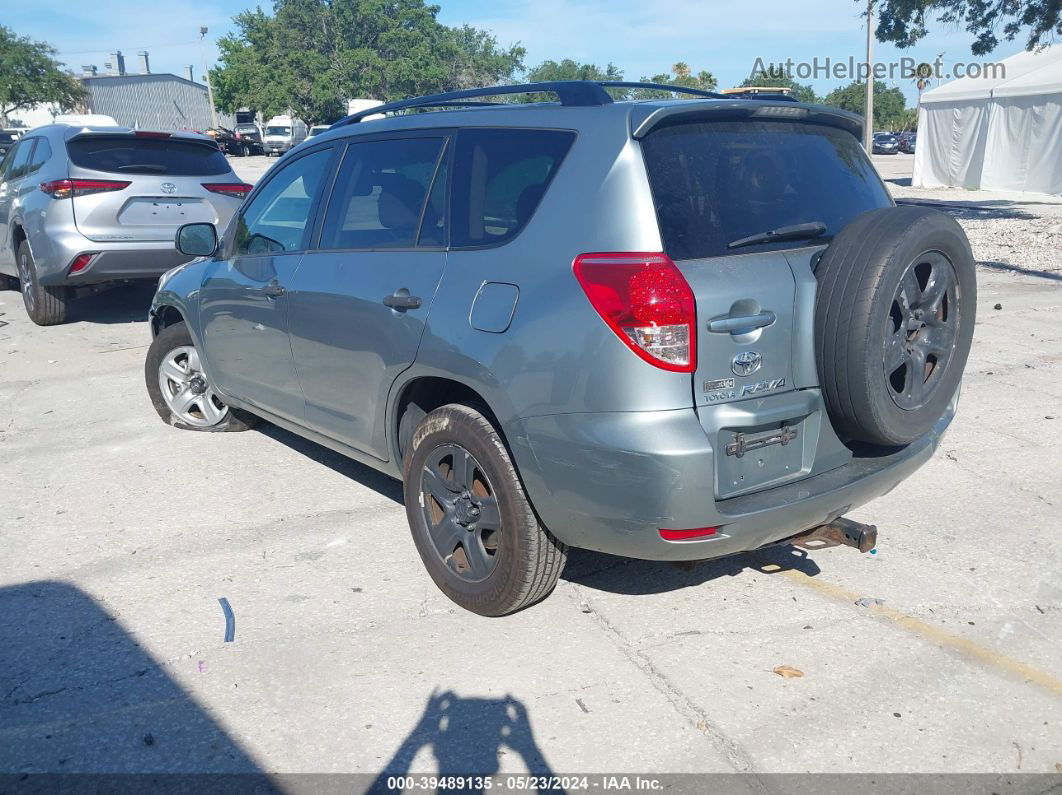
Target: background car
249 139
7 140
317 129
83 206
907 142
886 144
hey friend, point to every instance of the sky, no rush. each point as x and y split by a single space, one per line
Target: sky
726 37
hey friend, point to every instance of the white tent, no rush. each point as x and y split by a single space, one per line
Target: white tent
995 133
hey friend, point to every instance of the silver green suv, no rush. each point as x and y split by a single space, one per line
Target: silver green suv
663 329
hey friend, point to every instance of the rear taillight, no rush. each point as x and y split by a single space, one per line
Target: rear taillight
236 189
646 300
71 188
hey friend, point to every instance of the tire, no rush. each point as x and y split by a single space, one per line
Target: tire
46 306
183 376
498 561
894 320
245 151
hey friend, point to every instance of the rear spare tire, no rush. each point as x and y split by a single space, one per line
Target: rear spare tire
894 319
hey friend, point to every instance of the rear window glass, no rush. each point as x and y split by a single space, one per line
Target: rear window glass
500 177
128 155
716 182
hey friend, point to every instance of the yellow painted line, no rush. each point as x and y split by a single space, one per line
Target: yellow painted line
948 640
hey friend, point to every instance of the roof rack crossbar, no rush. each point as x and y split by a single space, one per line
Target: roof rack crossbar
570 92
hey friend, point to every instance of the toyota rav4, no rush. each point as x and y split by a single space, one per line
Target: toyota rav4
663 329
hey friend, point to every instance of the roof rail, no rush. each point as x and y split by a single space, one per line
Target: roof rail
699 92
585 93
570 92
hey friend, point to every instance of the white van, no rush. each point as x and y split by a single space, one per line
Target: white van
358 105
281 134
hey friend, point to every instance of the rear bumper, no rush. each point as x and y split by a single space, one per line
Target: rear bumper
112 261
609 482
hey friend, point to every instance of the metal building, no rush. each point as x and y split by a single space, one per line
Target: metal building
151 101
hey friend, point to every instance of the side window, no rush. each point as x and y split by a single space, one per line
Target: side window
500 176
19 160
41 152
277 219
379 195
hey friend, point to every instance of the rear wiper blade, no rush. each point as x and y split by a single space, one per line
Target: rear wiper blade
145 167
794 232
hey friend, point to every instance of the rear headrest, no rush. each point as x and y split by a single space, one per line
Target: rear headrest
528 201
400 201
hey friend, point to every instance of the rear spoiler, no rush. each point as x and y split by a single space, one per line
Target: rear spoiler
129 132
688 110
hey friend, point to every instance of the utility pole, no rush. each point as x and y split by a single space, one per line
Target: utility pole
868 118
206 76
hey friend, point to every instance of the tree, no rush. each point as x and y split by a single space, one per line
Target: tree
30 75
313 55
549 71
571 70
777 78
681 75
903 22
889 103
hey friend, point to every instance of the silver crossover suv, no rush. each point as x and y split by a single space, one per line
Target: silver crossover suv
80 206
664 329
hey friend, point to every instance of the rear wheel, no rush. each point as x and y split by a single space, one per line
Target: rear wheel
245 151
180 390
471 520
46 306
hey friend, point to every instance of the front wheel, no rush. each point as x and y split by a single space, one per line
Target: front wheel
180 390
471 521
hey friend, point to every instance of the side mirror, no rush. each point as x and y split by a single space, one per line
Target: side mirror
197 240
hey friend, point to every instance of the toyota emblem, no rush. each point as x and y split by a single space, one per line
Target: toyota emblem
746 363
169 187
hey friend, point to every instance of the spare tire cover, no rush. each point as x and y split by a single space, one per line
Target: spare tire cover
894 318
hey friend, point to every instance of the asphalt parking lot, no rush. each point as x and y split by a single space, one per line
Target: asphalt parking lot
939 653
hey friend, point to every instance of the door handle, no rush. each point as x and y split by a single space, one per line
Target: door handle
725 324
402 301
273 290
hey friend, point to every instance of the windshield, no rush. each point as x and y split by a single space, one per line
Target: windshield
7 136
129 155
717 182
281 131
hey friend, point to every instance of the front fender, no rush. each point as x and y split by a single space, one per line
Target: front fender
179 289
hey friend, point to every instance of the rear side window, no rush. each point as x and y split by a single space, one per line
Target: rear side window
500 176
716 182
17 161
379 195
129 155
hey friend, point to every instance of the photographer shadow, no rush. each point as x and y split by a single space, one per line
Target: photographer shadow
466 737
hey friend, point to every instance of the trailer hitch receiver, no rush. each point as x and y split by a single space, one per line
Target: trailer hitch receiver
863 537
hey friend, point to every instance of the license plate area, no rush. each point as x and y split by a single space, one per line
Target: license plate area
755 457
151 211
